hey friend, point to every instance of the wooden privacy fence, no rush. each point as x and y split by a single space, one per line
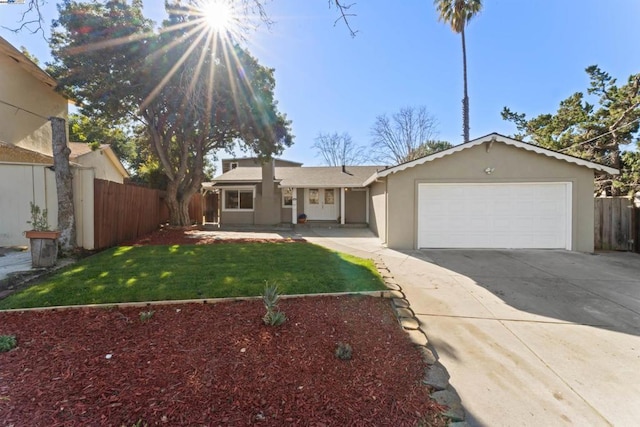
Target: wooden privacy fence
123 212
616 224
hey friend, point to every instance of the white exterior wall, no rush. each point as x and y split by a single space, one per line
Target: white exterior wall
20 88
19 185
102 165
83 205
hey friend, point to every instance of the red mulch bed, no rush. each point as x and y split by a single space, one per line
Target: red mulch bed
213 364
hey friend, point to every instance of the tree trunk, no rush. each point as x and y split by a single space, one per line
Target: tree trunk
178 205
64 185
465 99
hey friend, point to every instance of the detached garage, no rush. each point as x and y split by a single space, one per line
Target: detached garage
492 192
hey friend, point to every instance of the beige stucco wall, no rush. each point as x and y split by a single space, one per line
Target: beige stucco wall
103 167
378 209
19 185
20 88
511 165
231 217
355 206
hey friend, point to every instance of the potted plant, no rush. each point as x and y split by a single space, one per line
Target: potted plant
302 218
43 241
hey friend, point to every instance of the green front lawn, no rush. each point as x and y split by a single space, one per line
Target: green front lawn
150 273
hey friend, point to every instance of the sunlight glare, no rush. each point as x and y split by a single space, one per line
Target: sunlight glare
218 14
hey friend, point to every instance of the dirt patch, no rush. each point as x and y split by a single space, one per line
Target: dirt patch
198 236
214 364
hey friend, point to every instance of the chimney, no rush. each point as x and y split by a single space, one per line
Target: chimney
344 170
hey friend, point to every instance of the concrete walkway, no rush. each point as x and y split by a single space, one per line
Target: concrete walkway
530 338
12 261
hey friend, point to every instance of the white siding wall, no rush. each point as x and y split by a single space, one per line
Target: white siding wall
19 185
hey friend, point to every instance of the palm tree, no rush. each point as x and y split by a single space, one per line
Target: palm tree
458 13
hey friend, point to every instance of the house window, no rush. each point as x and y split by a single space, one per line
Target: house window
239 200
329 196
314 196
287 197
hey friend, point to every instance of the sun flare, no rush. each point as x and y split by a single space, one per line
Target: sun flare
218 14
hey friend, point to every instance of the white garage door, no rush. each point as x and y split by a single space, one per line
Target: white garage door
509 215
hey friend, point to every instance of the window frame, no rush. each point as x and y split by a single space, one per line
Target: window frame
293 191
238 190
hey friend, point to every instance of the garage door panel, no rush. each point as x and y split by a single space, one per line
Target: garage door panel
506 215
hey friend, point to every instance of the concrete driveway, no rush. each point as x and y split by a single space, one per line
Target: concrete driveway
529 338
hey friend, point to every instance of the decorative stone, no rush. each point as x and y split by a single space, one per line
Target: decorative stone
393 286
459 424
418 337
437 377
395 294
400 303
428 356
404 312
410 323
449 398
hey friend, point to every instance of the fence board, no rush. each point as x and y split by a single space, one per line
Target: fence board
613 223
597 223
124 212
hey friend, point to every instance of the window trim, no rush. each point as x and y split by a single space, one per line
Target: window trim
293 192
239 189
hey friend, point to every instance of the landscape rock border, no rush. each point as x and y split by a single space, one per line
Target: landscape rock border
436 375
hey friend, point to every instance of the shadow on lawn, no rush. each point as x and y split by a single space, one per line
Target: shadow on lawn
151 273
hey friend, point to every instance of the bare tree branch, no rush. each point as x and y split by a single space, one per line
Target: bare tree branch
339 149
344 14
32 16
402 137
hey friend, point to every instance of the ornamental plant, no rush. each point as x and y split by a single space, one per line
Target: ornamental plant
270 298
39 218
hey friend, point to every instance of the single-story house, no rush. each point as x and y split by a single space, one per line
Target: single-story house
491 192
102 160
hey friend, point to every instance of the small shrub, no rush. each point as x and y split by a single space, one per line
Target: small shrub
270 297
39 218
274 318
7 342
343 351
146 315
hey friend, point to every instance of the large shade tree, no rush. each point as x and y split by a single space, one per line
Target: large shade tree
458 13
595 126
192 86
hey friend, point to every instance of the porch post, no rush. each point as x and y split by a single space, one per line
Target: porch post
342 205
367 207
294 206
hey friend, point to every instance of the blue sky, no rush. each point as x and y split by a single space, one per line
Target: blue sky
527 55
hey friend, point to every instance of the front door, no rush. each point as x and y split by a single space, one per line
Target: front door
320 204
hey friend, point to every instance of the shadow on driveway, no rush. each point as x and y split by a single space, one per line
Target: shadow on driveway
600 290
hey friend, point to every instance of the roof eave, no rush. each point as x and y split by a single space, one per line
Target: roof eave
496 137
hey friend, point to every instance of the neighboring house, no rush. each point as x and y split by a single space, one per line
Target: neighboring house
492 192
102 160
228 164
27 100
